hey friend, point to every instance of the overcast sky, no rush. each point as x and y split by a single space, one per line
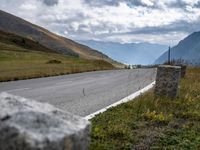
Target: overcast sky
155 21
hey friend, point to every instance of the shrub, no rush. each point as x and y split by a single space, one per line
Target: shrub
157 117
54 61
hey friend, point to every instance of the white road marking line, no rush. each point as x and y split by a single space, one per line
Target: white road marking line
126 99
17 90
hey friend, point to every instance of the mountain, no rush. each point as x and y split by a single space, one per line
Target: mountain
130 53
12 24
22 42
187 49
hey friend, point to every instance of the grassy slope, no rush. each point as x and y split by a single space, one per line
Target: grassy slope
17 63
153 123
19 41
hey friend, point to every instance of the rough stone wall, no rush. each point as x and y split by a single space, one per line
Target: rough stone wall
167 81
30 125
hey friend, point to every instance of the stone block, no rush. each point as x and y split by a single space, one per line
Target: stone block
183 70
29 125
167 81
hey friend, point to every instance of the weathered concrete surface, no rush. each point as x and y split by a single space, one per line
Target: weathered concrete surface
167 81
30 125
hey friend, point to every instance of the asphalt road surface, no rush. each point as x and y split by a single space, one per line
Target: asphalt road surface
83 93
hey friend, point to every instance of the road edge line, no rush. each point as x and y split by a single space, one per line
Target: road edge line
124 100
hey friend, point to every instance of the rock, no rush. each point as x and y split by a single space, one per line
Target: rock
30 125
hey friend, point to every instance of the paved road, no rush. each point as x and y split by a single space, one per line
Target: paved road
83 93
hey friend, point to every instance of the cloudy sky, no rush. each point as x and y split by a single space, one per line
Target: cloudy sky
155 21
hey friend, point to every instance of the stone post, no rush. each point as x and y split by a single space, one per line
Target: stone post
183 70
167 81
30 125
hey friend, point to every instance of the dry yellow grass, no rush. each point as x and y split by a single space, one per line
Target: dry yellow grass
19 63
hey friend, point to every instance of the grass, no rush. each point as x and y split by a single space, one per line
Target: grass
20 63
152 123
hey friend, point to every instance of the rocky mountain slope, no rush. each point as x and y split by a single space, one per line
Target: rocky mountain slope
187 49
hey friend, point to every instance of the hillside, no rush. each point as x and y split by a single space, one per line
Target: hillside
21 58
131 53
16 25
22 42
187 49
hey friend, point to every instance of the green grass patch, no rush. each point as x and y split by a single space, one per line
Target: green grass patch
152 123
20 63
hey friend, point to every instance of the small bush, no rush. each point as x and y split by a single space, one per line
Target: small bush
157 117
54 61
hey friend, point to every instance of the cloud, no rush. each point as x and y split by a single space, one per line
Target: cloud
50 2
146 3
117 3
161 21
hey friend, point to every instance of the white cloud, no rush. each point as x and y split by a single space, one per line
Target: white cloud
170 38
147 2
110 19
28 6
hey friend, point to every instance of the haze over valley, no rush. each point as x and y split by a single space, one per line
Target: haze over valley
129 53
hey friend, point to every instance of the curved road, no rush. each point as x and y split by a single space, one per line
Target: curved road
83 93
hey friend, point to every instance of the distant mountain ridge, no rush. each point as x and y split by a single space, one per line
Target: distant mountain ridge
187 49
130 53
12 24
